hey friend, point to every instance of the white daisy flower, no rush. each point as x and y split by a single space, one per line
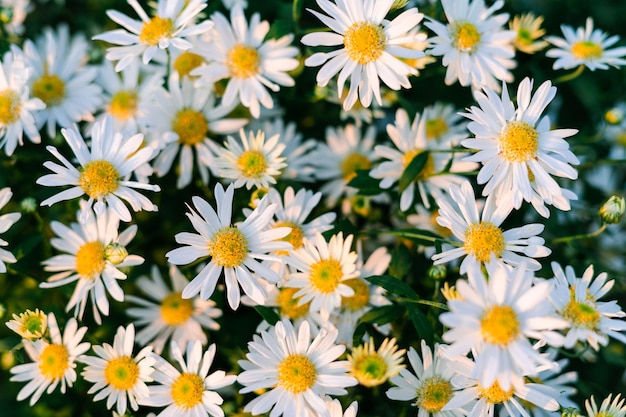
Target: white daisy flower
615 408
370 47
183 62
410 140
335 409
239 53
186 121
371 366
30 324
577 301
166 315
474 46
53 363
119 376
585 46
496 318
234 249
189 392
429 384
17 107
60 79
444 124
229 4
6 221
104 171
172 22
14 15
254 161
93 253
517 147
322 271
297 371
483 241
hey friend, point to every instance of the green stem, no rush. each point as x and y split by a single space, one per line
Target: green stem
415 236
566 239
570 76
430 303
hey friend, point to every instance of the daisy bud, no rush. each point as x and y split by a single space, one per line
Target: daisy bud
570 412
437 272
28 205
614 115
115 253
612 211
30 324
398 4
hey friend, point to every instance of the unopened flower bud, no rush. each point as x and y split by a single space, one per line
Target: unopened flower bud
30 324
437 272
614 116
612 211
115 253
570 412
398 4
28 205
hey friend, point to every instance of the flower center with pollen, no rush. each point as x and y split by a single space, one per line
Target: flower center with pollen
465 36
191 127
50 89
295 237
581 314
494 394
54 361
483 239
361 297
364 42
435 128
370 369
176 310
289 305
586 50
325 275
90 259
228 247
433 394
243 61
123 104
98 178
352 163
296 373
518 142
10 106
121 373
252 164
187 390
187 62
156 29
499 325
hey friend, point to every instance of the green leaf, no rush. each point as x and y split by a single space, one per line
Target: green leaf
394 286
382 314
400 261
268 314
413 170
421 323
364 183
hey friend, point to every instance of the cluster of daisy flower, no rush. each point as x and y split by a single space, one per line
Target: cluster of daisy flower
216 200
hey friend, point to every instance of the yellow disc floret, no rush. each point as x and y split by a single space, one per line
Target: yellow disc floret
187 62
123 104
325 275
175 310
191 126
289 305
499 325
155 30
352 163
54 361
495 394
252 164
90 259
187 390
10 106
482 240
361 297
296 373
433 394
228 247
436 128
50 89
465 36
364 42
295 237
121 373
518 142
587 50
243 61
370 369
581 313
99 178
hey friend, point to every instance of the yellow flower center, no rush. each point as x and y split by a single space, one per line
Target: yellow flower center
50 89
296 373
123 104
187 62
465 36
90 259
54 361
228 247
243 61
483 239
364 42
252 164
10 106
499 325
121 373
581 314
586 50
352 163
295 237
429 166
187 390
191 127
495 394
288 304
176 310
325 275
518 142
33 323
435 128
433 394
156 29
98 178
361 297
369 369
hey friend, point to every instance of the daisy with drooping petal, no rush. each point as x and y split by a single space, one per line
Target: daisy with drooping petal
474 46
117 375
585 46
297 371
233 249
577 301
53 363
371 366
370 47
519 151
238 52
6 221
171 23
169 316
189 392
495 320
104 170
31 325
608 408
483 241
93 254
17 107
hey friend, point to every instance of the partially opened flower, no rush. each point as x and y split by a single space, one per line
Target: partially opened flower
608 408
31 325
371 366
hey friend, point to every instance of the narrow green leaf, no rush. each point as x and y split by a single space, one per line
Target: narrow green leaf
268 314
383 314
421 323
413 170
394 286
400 261
364 183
